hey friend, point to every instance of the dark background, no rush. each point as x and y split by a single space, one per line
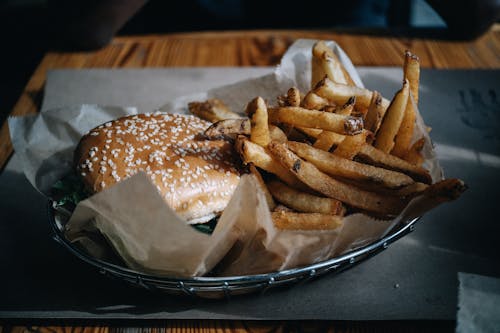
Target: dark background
29 28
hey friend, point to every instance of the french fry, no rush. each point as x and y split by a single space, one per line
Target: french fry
304 202
291 98
446 190
380 205
277 134
326 140
298 116
369 154
411 70
312 133
312 101
351 145
228 127
212 110
392 119
326 62
264 188
375 113
376 157
259 130
340 94
348 107
338 166
258 156
414 154
285 220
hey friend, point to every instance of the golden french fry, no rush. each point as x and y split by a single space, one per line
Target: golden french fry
375 113
277 134
326 140
351 145
267 194
348 107
257 112
314 102
371 155
228 127
212 110
310 132
381 205
446 190
411 70
340 94
414 154
258 156
411 190
305 221
304 202
338 166
328 64
298 116
293 97
392 119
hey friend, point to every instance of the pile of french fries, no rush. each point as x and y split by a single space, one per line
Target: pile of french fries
335 150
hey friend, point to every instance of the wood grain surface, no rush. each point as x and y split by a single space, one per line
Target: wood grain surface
248 48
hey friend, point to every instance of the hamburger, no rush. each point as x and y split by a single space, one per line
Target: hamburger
196 177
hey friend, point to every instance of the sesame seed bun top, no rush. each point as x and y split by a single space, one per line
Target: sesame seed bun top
196 177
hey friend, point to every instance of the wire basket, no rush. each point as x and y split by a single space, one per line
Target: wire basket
226 286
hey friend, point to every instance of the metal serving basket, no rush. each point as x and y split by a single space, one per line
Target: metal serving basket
227 286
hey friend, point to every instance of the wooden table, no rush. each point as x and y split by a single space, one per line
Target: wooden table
250 48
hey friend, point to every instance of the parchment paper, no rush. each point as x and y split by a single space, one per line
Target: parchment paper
45 145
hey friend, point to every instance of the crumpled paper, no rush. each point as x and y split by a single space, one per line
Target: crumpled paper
150 237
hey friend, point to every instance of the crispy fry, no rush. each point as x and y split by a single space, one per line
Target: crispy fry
326 140
374 156
369 154
277 134
212 110
367 201
328 63
414 154
304 202
293 97
298 116
267 194
375 113
411 70
348 107
253 153
446 190
305 221
351 145
338 166
257 112
310 132
314 102
392 119
340 94
228 127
